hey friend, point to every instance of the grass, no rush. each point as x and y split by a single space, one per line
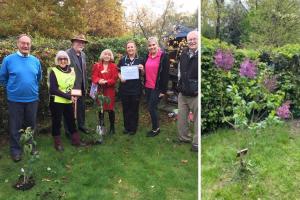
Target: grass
124 167
274 155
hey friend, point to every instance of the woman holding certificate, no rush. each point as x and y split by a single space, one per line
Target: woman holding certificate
62 79
131 68
156 81
105 74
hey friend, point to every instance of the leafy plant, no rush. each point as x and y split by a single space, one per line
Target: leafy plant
27 142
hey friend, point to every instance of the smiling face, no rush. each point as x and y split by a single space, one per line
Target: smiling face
192 39
131 49
152 47
78 45
62 61
106 56
24 45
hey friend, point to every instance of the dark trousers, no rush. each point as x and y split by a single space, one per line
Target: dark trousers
80 115
130 104
111 116
59 110
21 116
152 98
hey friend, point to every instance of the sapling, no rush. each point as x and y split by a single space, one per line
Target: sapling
27 142
100 100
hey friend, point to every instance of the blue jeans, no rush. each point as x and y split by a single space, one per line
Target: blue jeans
152 98
21 116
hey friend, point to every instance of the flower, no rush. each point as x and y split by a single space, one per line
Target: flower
270 83
284 111
224 60
248 68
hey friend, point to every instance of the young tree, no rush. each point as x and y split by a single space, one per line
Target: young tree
274 23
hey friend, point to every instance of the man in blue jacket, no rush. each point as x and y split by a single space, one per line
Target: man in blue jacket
20 74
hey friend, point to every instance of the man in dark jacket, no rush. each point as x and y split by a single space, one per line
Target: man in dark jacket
78 62
188 91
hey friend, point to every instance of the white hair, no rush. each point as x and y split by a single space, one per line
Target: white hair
192 33
106 51
62 54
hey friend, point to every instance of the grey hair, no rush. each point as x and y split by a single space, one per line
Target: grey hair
62 54
192 33
154 39
105 51
23 35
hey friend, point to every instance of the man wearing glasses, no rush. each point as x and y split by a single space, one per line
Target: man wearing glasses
188 91
20 74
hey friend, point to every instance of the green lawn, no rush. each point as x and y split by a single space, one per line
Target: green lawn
124 167
273 153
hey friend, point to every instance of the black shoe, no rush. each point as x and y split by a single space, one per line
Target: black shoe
16 158
125 131
180 141
132 132
153 133
112 130
194 148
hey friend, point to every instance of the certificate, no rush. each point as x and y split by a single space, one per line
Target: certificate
130 72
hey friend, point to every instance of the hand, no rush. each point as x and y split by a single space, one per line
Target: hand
74 99
161 95
141 67
102 81
122 79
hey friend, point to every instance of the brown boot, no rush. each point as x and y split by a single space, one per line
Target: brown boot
58 144
76 140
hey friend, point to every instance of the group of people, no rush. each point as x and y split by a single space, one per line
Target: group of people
21 73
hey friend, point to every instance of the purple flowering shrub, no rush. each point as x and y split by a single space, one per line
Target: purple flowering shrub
252 107
224 59
284 111
248 68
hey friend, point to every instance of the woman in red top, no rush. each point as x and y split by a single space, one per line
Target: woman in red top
105 74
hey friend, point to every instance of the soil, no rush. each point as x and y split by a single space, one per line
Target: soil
20 185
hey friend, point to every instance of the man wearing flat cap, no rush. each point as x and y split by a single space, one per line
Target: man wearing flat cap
78 62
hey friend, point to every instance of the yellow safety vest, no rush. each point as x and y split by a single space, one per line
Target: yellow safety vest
65 83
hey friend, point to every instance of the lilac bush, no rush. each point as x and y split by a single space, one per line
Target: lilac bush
270 83
224 60
248 68
284 111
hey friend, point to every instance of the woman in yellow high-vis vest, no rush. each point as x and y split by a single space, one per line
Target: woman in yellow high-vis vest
61 82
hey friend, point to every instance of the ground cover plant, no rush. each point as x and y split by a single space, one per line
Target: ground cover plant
123 167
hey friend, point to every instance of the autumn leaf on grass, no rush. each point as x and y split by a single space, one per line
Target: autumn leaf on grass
46 179
120 180
184 161
69 167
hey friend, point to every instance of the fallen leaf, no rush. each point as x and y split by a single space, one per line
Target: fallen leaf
6 181
46 179
68 166
152 186
184 161
120 181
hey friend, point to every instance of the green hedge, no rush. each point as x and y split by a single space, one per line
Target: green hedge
45 49
215 102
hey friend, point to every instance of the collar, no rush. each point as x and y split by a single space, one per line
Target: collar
22 55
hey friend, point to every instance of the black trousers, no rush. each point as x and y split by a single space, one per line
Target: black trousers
80 115
152 98
130 104
59 110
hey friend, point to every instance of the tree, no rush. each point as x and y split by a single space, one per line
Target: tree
274 23
147 23
58 19
104 17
